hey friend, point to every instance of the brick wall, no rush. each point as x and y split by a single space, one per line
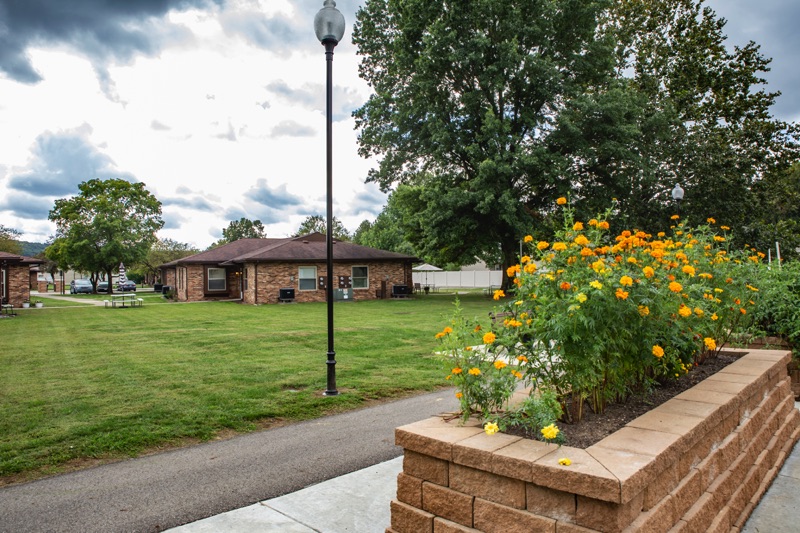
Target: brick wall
18 284
699 462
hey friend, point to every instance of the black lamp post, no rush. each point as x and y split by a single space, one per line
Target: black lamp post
677 195
329 27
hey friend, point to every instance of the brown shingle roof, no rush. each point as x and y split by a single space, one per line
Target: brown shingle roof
14 258
306 248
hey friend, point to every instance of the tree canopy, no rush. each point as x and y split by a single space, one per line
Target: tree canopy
162 251
9 240
318 224
109 222
244 228
489 111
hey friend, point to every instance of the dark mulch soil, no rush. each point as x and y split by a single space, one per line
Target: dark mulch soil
593 427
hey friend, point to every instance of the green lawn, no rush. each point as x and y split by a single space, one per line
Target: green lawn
91 382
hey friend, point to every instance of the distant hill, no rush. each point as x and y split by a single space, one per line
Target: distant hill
32 249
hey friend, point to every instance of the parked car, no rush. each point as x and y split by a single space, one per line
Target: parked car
102 286
78 286
126 286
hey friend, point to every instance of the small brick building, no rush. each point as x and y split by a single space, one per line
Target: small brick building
15 276
260 271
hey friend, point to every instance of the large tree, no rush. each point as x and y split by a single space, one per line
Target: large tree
109 222
465 94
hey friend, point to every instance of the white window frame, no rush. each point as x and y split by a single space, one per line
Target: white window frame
209 279
354 278
310 280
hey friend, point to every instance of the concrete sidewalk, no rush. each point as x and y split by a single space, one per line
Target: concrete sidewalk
359 503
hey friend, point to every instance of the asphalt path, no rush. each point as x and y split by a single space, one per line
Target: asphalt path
161 491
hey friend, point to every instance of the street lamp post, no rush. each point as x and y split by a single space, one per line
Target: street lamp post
677 195
329 27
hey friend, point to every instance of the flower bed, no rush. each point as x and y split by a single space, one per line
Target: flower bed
699 462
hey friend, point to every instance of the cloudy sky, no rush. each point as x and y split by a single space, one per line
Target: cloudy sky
218 106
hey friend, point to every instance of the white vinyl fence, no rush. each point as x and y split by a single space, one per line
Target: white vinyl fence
459 279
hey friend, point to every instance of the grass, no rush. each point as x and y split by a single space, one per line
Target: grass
85 383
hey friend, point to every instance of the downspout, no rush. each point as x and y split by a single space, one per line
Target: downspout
241 283
255 283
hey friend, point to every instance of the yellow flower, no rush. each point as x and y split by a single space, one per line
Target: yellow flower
457 370
559 246
596 284
564 461
684 311
489 338
474 371
522 359
648 272
603 225
658 351
711 221
542 245
499 294
561 201
626 281
710 343
593 222
491 428
525 259
550 432
725 228
528 238
581 297
644 310
530 268
689 270
675 286
517 374
714 317
500 365
698 311
513 270
578 226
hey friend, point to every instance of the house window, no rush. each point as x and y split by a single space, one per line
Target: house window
216 279
360 277
307 278
244 270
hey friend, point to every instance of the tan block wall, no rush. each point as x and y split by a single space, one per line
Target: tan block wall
708 477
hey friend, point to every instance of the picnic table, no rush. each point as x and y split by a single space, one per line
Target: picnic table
124 300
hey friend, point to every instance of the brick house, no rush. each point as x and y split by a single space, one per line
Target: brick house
255 271
15 276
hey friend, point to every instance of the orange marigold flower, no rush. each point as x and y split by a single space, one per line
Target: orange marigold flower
561 201
578 226
448 329
743 310
559 246
499 294
622 295
684 311
648 272
517 374
689 270
587 252
475 371
489 338
710 343
581 240
522 359
477 328
603 225
711 220
459 395
658 351
565 285
593 222
542 245
528 238
457 370
500 365
674 217
626 281
439 335
675 286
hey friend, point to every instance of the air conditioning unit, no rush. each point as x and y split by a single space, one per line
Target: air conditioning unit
286 295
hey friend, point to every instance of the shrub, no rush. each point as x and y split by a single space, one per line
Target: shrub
595 316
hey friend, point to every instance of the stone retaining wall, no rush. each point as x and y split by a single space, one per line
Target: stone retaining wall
699 462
